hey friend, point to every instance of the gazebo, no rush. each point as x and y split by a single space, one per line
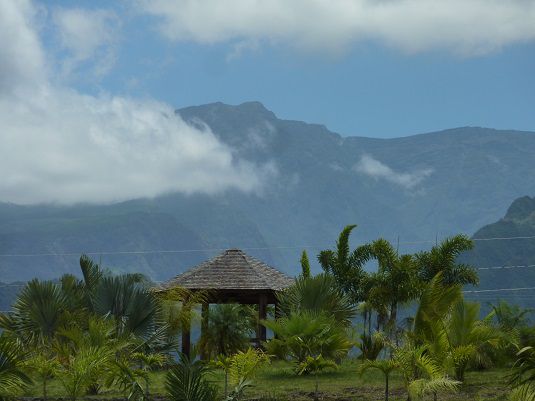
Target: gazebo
232 277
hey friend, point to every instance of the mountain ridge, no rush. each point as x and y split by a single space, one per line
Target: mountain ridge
414 188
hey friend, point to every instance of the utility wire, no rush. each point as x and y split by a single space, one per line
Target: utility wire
172 251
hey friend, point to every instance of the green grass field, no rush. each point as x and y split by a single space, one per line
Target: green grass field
277 381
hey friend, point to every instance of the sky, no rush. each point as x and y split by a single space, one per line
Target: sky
87 87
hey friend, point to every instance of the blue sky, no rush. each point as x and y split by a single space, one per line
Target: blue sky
368 88
88 89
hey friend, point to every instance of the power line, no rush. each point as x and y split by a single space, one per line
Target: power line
504 267
502 238
173 251
155 251
498 290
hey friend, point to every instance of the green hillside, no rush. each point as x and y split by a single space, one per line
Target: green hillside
510 262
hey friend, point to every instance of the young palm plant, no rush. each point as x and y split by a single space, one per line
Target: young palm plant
522 378
186 381
385 366
12 377
305 334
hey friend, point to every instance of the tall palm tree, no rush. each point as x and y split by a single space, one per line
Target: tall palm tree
347 267
443 258
396 281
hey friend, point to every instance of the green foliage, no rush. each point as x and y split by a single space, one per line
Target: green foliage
314 365
371 345
45 366
346 266
228 330
244 365
451 328
386 366
442 259
395 283
38 313
305 335
186 381
12 377
422 374
318 294
522 377
238 392
133 307
84 368
305 265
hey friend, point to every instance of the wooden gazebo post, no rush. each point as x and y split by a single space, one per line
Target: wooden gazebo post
204 326
262 315
186 330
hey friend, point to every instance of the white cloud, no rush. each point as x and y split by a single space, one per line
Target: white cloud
21 56
463 26
87 35
374 168
59 145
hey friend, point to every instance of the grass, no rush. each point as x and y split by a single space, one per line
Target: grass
278 382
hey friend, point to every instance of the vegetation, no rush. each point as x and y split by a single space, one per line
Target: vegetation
112 335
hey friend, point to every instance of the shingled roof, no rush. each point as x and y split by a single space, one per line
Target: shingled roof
232 270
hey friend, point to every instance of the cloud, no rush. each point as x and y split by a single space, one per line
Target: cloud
21 56
374 168
63 146
87 35
467 27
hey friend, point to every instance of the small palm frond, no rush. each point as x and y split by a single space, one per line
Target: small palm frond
186 382
420 387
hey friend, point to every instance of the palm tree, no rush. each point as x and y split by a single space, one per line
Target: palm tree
396 281
443 258
346 266
451 328
186 381
421 373
228 330
386 366
470 339
12 377
522 377
38 313
133 307
307 334
318 294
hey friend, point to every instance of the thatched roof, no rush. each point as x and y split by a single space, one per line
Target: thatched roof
232 270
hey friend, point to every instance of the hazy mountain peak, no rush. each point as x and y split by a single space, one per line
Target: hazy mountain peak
521 209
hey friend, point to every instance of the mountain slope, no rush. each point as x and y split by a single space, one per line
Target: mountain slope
415 188
517 254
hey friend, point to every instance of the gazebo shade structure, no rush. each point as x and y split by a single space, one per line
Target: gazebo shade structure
232 277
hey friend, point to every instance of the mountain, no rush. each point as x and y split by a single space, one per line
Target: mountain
414 189
510 262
